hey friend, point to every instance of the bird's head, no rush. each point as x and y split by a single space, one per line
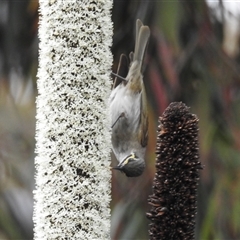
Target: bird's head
132 165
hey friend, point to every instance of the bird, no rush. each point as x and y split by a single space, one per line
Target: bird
128 109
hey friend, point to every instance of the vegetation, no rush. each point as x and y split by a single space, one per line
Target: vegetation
192 57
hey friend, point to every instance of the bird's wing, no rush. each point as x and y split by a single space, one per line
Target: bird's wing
142 36
143 124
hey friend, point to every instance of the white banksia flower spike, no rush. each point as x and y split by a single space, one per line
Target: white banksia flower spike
72 195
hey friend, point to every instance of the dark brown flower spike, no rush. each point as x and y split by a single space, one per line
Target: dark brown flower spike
173 202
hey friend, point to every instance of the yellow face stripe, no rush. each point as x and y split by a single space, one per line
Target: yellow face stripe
128 158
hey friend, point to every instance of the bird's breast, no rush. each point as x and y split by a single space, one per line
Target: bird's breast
125 108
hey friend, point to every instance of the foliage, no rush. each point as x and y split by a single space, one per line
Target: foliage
187 60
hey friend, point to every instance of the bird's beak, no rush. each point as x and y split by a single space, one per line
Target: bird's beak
116 168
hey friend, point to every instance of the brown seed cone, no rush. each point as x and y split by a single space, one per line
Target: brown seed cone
174 198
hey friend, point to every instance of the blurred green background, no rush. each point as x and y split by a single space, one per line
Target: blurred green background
193 56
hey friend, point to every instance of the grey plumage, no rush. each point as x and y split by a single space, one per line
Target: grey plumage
128 109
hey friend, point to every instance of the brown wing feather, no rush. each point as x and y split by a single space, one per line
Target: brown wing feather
143 125
142 36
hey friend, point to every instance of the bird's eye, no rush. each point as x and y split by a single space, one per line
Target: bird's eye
131 159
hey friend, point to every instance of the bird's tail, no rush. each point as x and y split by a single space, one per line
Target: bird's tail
142 36
134 76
